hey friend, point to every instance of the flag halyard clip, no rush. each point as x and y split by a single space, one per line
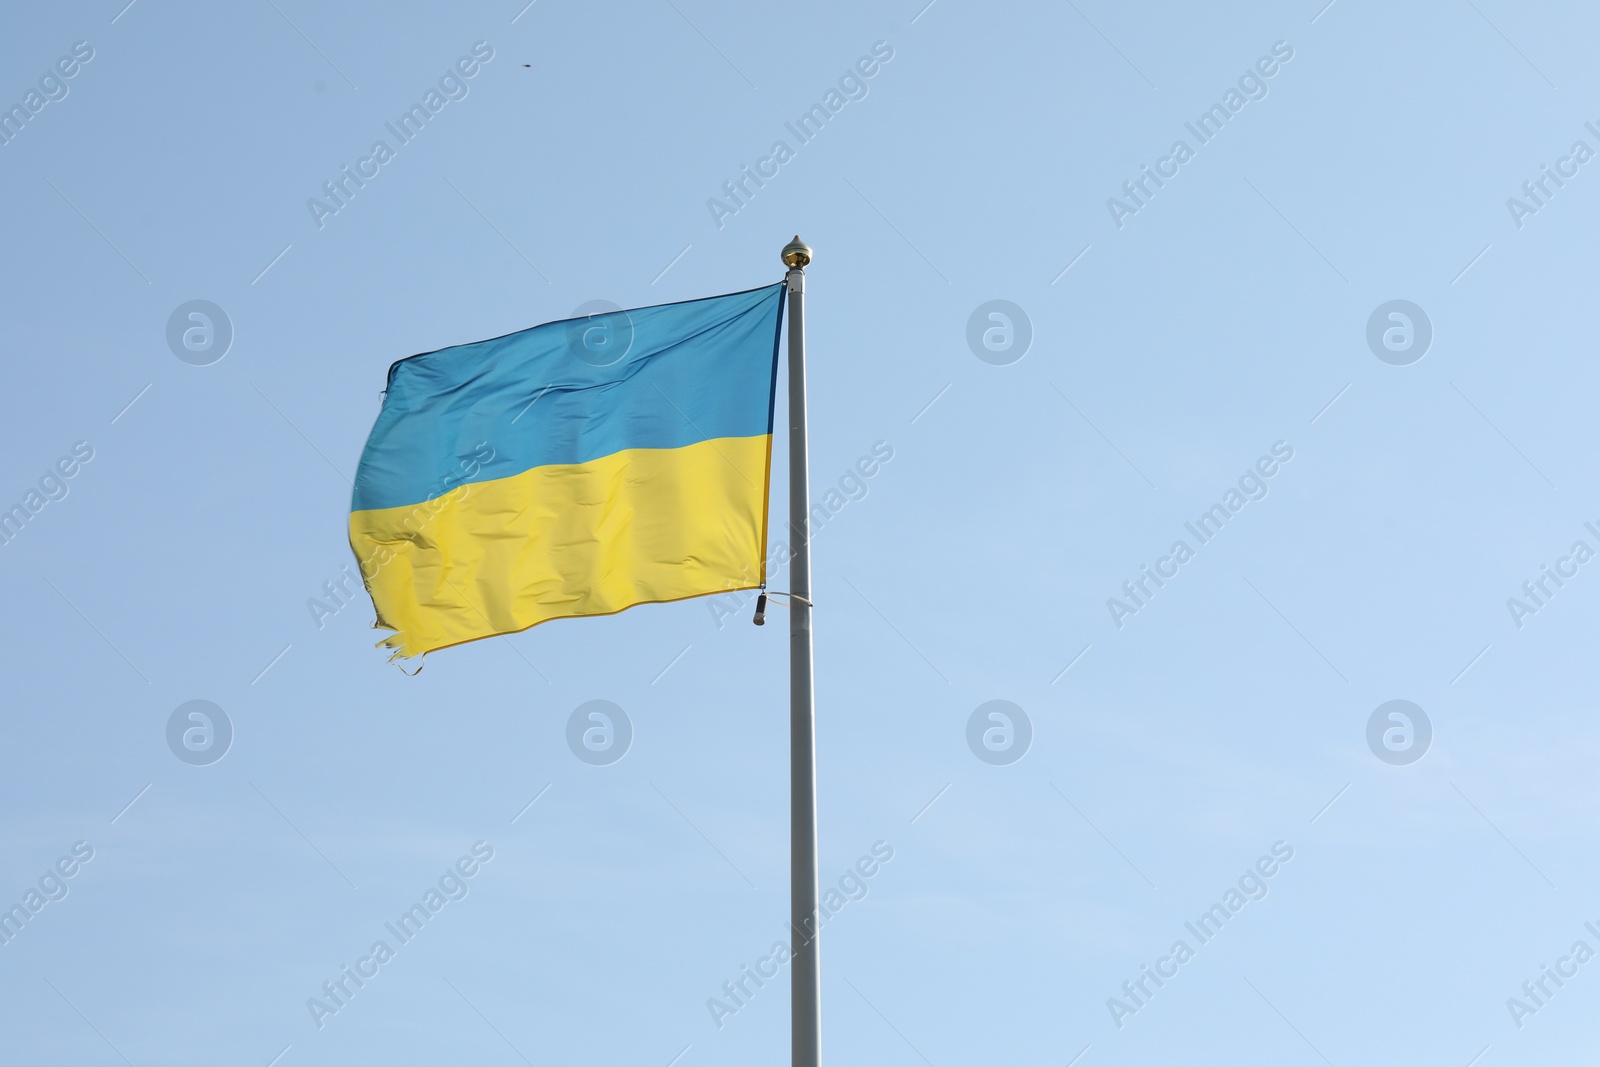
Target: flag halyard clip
761 603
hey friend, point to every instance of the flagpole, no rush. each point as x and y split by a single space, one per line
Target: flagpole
805 1010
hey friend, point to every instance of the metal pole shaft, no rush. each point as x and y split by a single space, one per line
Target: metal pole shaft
806 1004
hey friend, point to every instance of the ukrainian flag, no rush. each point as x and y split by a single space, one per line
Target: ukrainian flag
574 468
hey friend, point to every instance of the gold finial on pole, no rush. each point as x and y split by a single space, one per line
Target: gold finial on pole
796 254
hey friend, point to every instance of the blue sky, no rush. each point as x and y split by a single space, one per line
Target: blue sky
1226 317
